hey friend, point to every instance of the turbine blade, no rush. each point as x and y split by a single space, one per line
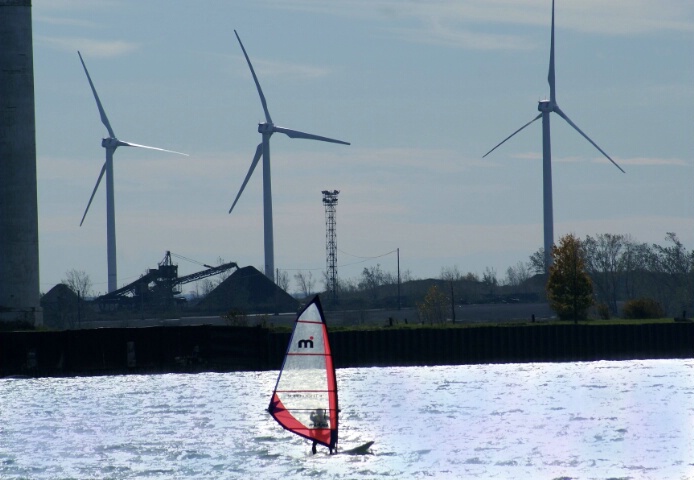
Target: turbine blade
568 120
504 140
258 154
128 144
255 79
550 75
104 118
308 136
103 169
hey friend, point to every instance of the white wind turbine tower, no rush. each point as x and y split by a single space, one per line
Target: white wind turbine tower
266 129
546 107
110 144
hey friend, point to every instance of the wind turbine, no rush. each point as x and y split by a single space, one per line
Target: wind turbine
110 144
266 129
546 107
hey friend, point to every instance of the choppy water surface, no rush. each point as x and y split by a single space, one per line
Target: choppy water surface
601 420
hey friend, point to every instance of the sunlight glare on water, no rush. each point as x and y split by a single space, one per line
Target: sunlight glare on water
599 420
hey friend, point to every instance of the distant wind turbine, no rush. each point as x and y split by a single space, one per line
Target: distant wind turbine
110 144
546 107
266 129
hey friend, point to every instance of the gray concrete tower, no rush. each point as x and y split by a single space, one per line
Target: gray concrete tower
19 232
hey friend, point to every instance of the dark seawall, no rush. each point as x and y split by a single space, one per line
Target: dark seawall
222 349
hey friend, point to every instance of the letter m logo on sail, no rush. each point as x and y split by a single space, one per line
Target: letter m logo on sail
306 343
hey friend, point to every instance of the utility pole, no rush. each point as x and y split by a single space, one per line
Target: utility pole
398 278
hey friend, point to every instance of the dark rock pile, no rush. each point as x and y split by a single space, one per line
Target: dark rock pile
247 291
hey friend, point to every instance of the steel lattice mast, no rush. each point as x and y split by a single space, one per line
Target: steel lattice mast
330 202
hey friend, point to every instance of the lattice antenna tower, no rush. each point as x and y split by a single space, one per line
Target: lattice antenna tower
330 202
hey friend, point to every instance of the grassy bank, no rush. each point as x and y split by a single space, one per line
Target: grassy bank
457 325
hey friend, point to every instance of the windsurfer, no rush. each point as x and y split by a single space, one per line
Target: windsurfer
319 419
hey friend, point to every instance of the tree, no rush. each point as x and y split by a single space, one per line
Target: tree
374 277
518 275
633 265
433 308
537 261
673 260
79 282
489 280
406 276
283 279
347 285
450 274
206 286
569 288
603 262
305 282
673 265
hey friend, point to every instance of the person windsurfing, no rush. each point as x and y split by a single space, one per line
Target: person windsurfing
319 420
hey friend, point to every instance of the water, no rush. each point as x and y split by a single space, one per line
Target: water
600 420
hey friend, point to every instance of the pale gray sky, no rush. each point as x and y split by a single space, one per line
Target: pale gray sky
421 89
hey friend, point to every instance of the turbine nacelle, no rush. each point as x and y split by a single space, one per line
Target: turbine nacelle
546 106
110 142
264 128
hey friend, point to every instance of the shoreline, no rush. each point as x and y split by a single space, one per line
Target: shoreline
208 348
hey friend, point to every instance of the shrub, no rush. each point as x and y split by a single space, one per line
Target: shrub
603 311
569 288
236 318
433 308
12 325
640 308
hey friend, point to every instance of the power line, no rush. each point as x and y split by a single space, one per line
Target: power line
368 258
363 260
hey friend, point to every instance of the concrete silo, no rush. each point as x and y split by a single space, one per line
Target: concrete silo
19 238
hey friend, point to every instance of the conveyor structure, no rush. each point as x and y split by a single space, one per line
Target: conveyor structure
158 289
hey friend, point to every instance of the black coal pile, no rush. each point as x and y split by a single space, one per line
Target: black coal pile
248 291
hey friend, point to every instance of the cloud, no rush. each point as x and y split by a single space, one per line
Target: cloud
528 156
66 22
451 23
440 33
89 47
72 4
275 68
651 161
637 161
630 17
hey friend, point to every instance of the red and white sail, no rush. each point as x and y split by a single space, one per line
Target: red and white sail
305 398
